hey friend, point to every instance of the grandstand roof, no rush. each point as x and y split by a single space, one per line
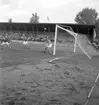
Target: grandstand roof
85 29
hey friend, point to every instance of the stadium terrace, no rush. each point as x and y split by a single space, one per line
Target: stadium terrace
45 27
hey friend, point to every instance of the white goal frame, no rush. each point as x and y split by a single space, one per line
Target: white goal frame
76 35
55 39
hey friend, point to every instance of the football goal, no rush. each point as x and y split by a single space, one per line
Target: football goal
78 40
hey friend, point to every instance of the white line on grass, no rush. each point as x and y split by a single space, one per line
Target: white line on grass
89 95
60 45
55 59
28 41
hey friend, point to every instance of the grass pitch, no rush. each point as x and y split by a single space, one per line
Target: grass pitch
27 78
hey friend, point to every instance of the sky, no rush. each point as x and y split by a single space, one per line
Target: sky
58 11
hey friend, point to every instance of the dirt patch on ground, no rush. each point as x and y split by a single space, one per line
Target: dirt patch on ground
62 82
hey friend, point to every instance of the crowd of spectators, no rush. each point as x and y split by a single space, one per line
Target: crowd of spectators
21 35
38 37
28 35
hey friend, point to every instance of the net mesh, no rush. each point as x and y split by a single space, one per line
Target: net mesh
86 46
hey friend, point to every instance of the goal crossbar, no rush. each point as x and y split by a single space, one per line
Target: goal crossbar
73 34
67 27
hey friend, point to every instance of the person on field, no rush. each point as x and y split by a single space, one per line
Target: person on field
25 42
5 41
48 46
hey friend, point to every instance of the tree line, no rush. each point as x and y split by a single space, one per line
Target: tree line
34 18
86 16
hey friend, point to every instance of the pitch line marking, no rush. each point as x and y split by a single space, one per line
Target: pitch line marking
55 59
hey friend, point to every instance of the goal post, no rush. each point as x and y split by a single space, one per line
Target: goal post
80 40
75 44
55 39
56 32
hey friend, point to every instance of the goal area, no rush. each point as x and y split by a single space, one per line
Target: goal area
65 36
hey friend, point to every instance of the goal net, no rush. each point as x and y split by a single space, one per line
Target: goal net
72 40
